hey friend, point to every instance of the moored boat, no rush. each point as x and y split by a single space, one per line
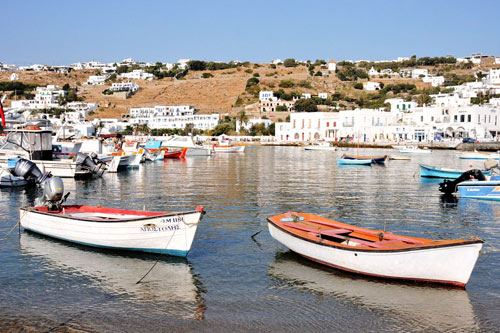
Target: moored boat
320 146
437 172
374 159
157 232
374 252
347 161
175 152
478 155
480 189
415 150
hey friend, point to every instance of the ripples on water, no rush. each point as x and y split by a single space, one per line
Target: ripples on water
229 282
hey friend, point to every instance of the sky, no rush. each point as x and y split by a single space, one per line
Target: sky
63 32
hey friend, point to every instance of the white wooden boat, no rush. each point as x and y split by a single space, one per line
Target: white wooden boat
399 158
157 232
187 141
374 252
7 179
415 150
478 155
320 146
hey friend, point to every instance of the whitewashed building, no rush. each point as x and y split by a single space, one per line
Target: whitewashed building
14 77
332 65
373 72
371 86
124 86
493 77
323 95
96 80
419 72
435 81
177 116
137 74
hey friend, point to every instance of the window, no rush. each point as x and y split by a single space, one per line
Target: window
455 118
462 118
469 118
327 124
421 118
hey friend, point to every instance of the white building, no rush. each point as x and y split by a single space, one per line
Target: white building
266 96
276 61
124 86
371 86
323 95
332 65
400 105
183 63
435 81
493 77
373 72
251 122
96 80
306 95
138 74
14 77
419 72
172 117
48 96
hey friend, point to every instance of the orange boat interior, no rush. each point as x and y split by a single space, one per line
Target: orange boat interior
329 232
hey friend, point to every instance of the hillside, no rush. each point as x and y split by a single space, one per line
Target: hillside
224 92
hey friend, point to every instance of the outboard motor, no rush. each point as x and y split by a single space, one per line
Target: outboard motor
53 190
29 171
91 163
450 186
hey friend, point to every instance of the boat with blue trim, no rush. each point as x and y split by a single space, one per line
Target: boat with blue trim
437 172
348 161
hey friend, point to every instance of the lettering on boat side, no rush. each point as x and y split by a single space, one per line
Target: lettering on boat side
175 219
472 190
160 229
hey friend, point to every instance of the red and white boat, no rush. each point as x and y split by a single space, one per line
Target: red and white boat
158 232
225 146
374 252
174 152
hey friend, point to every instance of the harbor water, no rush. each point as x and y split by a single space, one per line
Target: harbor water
233 282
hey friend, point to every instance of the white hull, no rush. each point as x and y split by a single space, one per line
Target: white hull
59 168
445 264
230 149
415 151
478 156
320 148
170 234
9 180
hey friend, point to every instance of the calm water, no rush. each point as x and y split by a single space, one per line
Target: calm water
230 282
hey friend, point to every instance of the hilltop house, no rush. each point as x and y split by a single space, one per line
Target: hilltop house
96 80
125 86
137 74
373 72
332 65
371 85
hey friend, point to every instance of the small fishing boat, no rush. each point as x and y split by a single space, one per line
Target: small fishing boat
372 159
375 252
480 189
347 161
320 146
437 172
175 152
7 179
157 232
415 150
399 158
226 146
478 155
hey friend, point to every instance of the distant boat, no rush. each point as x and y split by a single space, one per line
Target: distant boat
437 172
320 146
226 146
373 159
399 158
347 161
187 141
478 155
7 179
415 150
375 252
121 229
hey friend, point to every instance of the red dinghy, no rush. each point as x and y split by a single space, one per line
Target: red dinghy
374 252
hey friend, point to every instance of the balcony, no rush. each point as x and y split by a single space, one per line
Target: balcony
348 124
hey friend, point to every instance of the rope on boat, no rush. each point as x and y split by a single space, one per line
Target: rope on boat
157 260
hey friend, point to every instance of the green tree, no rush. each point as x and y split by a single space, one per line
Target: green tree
306 105
290 62
242 117
197 65
207 75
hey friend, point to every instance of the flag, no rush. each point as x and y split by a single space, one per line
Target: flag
2 115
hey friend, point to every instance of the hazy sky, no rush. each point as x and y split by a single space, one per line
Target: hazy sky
63 32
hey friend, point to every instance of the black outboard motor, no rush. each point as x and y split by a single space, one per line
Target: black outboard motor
30 172
450 186
91 163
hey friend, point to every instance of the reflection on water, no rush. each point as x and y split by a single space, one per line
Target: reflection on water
423 307
170 285
230 281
